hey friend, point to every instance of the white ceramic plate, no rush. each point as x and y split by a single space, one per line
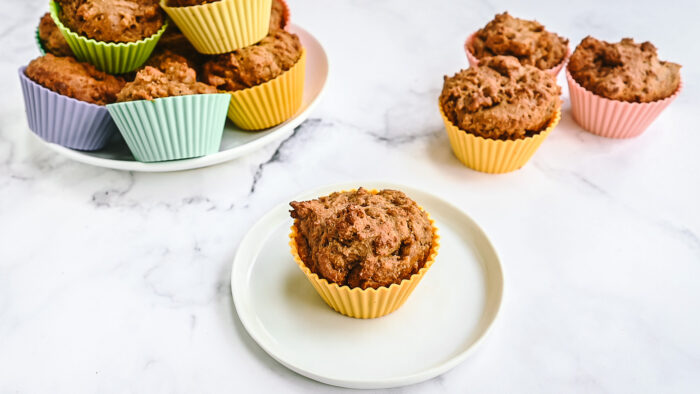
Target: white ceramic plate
447 315
236 142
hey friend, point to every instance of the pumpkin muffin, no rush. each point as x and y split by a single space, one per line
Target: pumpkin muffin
277 17
623 71
526 40
69 77
173 79
51 38
363 239
166 59
254 65
501 99
112 20
175 42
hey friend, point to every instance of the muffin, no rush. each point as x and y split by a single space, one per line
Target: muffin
64 100
51 39
115 36
172 78
175 42
266 80
369 247
69 77
618 89
279 17
165 114
502 108
239 23
112 21
501 99
526 40
165 58
255 64
623 71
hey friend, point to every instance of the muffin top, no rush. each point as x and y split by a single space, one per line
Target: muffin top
624 70
175 79
174 41
362 239
69 77
166 59
501 99
51 38
187 3
253 65
277 15
526 40
112 20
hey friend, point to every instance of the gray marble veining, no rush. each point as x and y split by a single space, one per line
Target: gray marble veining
118 282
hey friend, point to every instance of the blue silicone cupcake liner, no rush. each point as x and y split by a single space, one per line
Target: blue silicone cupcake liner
64 120
172 128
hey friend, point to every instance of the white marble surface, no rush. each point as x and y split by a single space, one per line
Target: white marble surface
119 282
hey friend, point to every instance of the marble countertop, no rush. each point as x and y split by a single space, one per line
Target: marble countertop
119 282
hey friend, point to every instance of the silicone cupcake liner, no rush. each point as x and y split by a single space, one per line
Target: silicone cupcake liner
365 303
474 62
272 102
39 43
172 128
114 58
613 118
222 26
64 120
494 156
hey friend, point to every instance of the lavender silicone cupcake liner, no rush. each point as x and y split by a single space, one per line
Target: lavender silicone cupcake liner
64 120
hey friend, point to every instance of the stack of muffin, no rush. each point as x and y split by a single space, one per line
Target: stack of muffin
498 112
166 85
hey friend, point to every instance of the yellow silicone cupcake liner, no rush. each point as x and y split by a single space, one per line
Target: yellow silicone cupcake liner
272 102
222 26
365 303
494 156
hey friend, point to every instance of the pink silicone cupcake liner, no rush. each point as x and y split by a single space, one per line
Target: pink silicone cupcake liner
474 62
64 120
613 118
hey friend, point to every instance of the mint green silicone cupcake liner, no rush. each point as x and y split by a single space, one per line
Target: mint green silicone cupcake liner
172 128
111 57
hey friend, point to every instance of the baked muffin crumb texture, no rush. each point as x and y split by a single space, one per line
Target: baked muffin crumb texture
69 77
526 40
362 239
623 71
112 20
51 38
501 99
254 65
176 79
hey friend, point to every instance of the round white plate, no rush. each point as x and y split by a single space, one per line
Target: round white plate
447 315
236 142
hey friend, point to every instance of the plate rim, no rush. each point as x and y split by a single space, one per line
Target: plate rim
383 383
209 160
